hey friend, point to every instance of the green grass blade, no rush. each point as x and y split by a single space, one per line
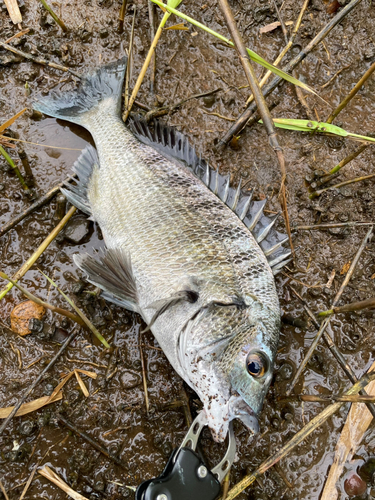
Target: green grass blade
253 55
313 126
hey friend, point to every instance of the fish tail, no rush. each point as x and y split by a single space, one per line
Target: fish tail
104 85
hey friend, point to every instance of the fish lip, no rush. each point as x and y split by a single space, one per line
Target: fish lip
238 409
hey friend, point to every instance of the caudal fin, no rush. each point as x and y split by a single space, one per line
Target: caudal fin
105 84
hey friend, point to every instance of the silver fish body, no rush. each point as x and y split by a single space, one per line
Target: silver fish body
174 237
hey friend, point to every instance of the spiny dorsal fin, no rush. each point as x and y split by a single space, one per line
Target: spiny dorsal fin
175 146
113 274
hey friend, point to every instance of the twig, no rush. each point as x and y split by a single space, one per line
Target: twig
351 94
347 369
38 252
146 65
90 440
38 379
4 491
329 398
15 168
27 485
285 49
225 485
152 16
220 116
354 306
30 181
55 17
57 310
326 321
261 105
283 27
303 101
297 438
83 317
13 11
37 204
121 16
38 60
341 184
242 120
17 35
55 479
349 158
129 66
156 113
330 226
144 374
334 76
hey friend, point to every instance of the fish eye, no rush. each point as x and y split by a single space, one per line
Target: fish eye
256 364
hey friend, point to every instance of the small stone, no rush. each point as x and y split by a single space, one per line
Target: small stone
354 485
99 486
27 428
286 371
60 335
130 379
77 230
36 115
103 33
23 313
48 390
36 325
209 101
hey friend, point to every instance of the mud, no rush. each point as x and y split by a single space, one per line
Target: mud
188 62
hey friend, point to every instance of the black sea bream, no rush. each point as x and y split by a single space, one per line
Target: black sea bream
179 250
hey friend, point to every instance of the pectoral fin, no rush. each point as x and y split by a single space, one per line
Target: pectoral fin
113 274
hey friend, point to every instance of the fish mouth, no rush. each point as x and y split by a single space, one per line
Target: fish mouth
238 409
235 408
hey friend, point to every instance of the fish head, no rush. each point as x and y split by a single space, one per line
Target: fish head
228 355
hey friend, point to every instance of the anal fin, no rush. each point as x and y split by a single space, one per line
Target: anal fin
113 274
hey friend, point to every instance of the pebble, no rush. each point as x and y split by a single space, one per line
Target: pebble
354 485
77 230
130 379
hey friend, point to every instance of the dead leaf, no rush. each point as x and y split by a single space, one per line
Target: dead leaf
13 11
179 26
9 122
332 7
357 422
30 407
372 277
81 384
273 26
61 385
345 268
54 478
22 314
89 374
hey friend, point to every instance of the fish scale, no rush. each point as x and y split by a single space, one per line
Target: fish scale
176 253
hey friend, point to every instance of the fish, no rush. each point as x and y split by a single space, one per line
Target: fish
188 252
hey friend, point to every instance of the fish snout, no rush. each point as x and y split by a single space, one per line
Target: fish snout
238 409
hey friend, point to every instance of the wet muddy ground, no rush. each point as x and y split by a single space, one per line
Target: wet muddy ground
188 63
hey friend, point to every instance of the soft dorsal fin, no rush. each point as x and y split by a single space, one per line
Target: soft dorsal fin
176 146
